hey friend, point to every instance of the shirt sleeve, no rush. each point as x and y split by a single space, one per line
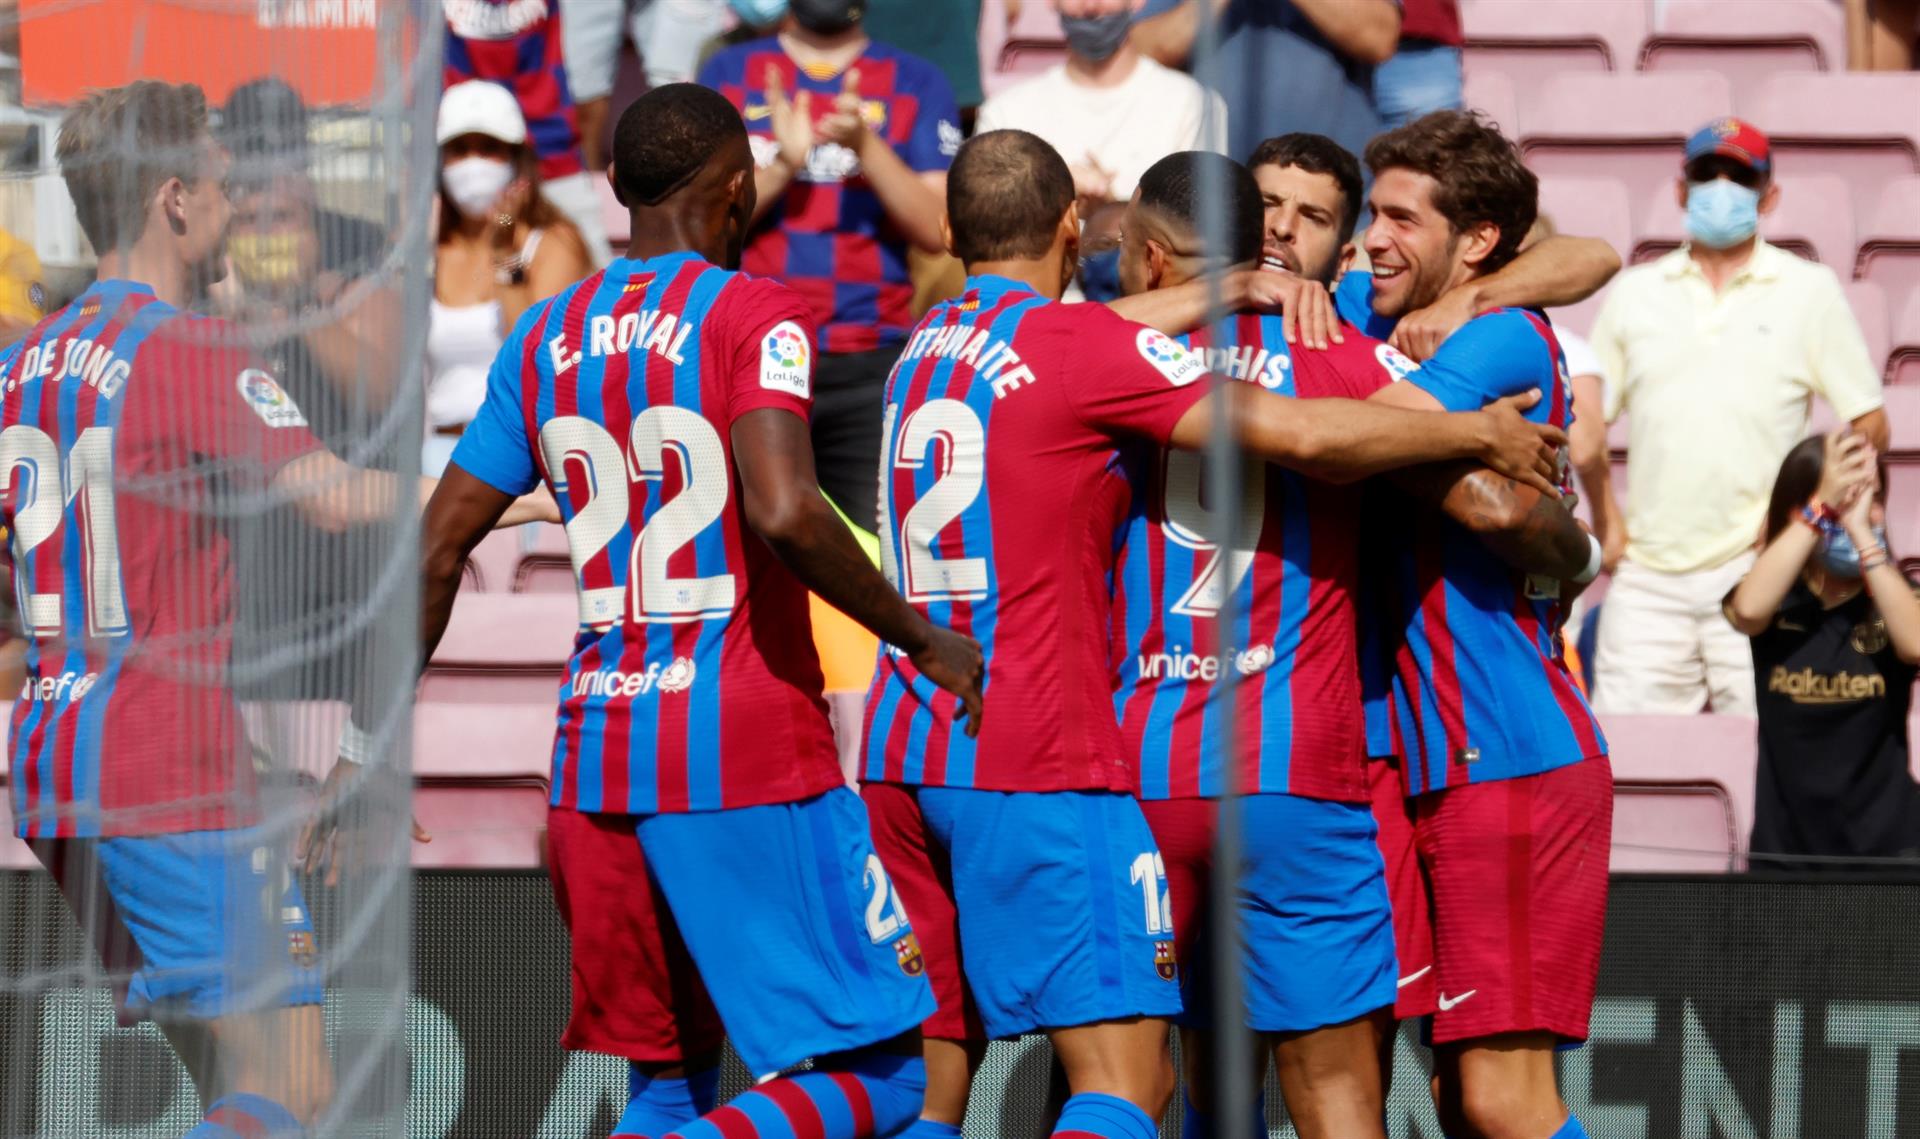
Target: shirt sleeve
1128 379
1353 369
769 363
1837 355
495 448
234 411
1488 358
935 136
1353 298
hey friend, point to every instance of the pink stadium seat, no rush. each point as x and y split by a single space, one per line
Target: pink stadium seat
490 566
1903 490
1589 207
481 774
14 854
1869 304
1890 242
1903 365
1531 42
1492 93
1863 127
544 565
1683 791
502 647
1814 219
1748 41
1012 50
1630 127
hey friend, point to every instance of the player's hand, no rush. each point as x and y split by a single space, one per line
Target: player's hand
336 838
1421 332
1515 446
790 120
846 124
955 663
1306 309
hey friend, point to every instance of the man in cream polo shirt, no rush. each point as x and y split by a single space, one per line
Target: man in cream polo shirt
1714 351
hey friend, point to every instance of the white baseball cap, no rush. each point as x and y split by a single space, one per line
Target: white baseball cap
480 107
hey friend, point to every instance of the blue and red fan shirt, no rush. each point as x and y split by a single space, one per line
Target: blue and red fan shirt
516 43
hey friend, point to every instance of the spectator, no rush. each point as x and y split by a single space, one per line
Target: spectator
1880 34
518 44
946 33
501 246
1836 634
851 140
1715 350
1424 73
1284 65
668 34
1110 111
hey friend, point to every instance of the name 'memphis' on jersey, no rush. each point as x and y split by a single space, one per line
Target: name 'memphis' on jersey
693 683
1292 577
1003 486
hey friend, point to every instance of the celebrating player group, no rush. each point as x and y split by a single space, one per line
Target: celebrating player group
1425 794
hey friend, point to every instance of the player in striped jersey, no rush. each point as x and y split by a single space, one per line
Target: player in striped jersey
1506 763
711 864
1002 490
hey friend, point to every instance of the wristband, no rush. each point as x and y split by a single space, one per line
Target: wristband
1806 517
356 746
1874 558
1595 556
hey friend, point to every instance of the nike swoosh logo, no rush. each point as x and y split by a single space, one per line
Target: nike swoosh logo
1447 1002
760 112
1412 977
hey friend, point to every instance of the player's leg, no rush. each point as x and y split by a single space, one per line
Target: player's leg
1519 874
953 1040
806 950
1319 972
1064 925
636 994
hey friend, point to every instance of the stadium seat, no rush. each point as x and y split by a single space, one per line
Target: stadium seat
1890 242
490 567
1491 93
1011 50
503 647
1864 127
1813 219
1748 41
1590 207
481 782
1631 127
14 854
544 564
1869 304
1683 791
1903 364
1531 42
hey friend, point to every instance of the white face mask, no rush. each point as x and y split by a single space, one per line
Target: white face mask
476 183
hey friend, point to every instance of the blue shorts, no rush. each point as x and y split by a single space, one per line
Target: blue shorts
1314 909
200 925
1037 909
785 913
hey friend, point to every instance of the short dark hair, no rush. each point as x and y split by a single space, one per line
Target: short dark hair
1479 175
1317 154
265 119
1172 188
667 136
118 146
1006 193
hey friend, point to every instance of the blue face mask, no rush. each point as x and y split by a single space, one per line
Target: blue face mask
1096 38
1839 556
759 13
1721 214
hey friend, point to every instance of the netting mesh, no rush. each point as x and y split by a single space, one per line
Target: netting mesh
210 453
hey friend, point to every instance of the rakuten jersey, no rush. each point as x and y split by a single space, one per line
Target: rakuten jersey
693 683
1297 704
126 427
516 43
1003 490
1481 689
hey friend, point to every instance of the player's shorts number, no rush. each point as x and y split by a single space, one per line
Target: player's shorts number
31 460
949 432
581 449
885 916
1150 874
1190 522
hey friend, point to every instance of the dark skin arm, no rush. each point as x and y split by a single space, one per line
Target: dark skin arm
783 504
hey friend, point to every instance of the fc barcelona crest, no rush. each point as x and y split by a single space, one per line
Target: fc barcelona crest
301 948
1163 962
907 952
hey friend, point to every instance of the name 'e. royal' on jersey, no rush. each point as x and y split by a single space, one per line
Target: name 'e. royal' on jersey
1294 582
1481 689
1003 489
693 683
127 428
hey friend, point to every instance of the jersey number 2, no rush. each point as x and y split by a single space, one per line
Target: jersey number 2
949 432
47 486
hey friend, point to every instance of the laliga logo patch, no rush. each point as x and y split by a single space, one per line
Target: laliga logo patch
1397 365
785 362
1163 962
1259 658
1178 365
678 676
268 399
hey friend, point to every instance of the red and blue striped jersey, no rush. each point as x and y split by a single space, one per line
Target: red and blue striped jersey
1481 690
1003 489
1293 582
516 43
127 427
829 239
693 683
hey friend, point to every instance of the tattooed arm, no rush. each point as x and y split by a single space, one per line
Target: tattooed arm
1528 530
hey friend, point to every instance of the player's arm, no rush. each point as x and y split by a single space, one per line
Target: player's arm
1305 307
1343 440
1560 270
783 505
333 495
1531 531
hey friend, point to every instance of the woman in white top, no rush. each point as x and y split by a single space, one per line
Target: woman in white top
501 246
